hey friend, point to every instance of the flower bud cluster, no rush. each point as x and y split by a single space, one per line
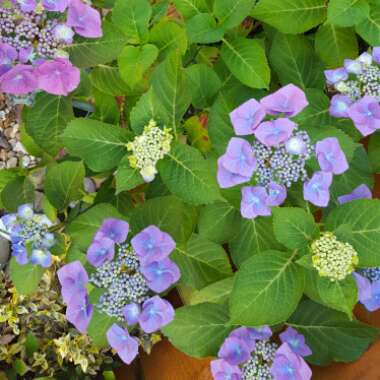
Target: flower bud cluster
333 258
148 148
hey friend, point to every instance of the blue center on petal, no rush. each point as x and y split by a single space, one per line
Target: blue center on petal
254 200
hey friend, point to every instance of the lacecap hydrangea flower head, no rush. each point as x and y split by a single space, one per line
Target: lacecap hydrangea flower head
33 34
358 85
29 235
276 158
131 275
148 148
250 353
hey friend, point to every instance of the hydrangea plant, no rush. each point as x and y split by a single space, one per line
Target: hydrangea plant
204 130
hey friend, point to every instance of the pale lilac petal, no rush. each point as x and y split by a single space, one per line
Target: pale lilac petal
373 303
353 66
339 106
226 178
100 252
296 146
234 351
84 19
295 341
364 287
79 312
330 156
254 202
114 229
41 257
26 5
376 54
275 132
222 370
55 5
360 192
276 194
365 113
316 190
336 75
132 313
20 80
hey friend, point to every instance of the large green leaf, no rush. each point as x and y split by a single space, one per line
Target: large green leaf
294 227
369 29
190 8
247 61
201 262
199 330
218 292
202 29
253 236
167 213
291 16
231 12
333 44
108 80
361 219
347 12
46 120
132 17
16 193
215 221
82 229
127 178
64 183
294 60
92 52
25 277
189 176
330 334
271 278
169 84
100 145
202 95
98 326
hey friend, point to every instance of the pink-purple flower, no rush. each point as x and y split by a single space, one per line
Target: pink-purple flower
79 312
101 251
276 194
336 75
152 244
316 190
288 100
63 33
58 77
227 178
113 229
274 132
330 156
234 351
254 202
132 313
368 292
19 80
247 117
365 114
26 5
84 19
339 105
156 313
8 55
126 346
289 366
376 54
55 5
222 370
360 192
295 341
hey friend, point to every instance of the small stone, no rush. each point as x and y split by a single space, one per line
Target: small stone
12 163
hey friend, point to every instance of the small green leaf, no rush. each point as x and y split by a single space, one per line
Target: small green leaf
247 61
16 193
202 29
98 327
369 29
231 13
218 292
107 79
64 183
267 279
294 227
345 13
127 178
190 8
199 330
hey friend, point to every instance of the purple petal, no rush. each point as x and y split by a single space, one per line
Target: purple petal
360 192
131 313
289 100
156 313
84 19
114 229
336 75
373 303
316 190
126 346
295 341
41 257
247 117
353 66
79 312
100 252
365 113
254 202
364 287
8 54
25 211
222 370
234 351
296 146
330 156
63 33
376 54
26 5
276 194
226 178
275 132
339 106
20 80
55 5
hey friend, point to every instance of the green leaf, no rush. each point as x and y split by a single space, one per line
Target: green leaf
268 279
199 330
126 177
25 277
347 12
6 176
106 107
247 61
218 292
294 61
190 8
215 221
82 229
132 17
134 61
108 80
167 213
189 176
373 152
170 85
363 218
202 29
98 326
291 16
16 193
339 295
100 145
91 52
330 334
168 36
202 95
64 183
231 13
294 227
369 29
334 45
201 262
253 236
46 120
20 367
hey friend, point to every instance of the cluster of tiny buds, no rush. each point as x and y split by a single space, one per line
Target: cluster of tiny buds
148 148
122 281
276 164
333 258
258 367
373 274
